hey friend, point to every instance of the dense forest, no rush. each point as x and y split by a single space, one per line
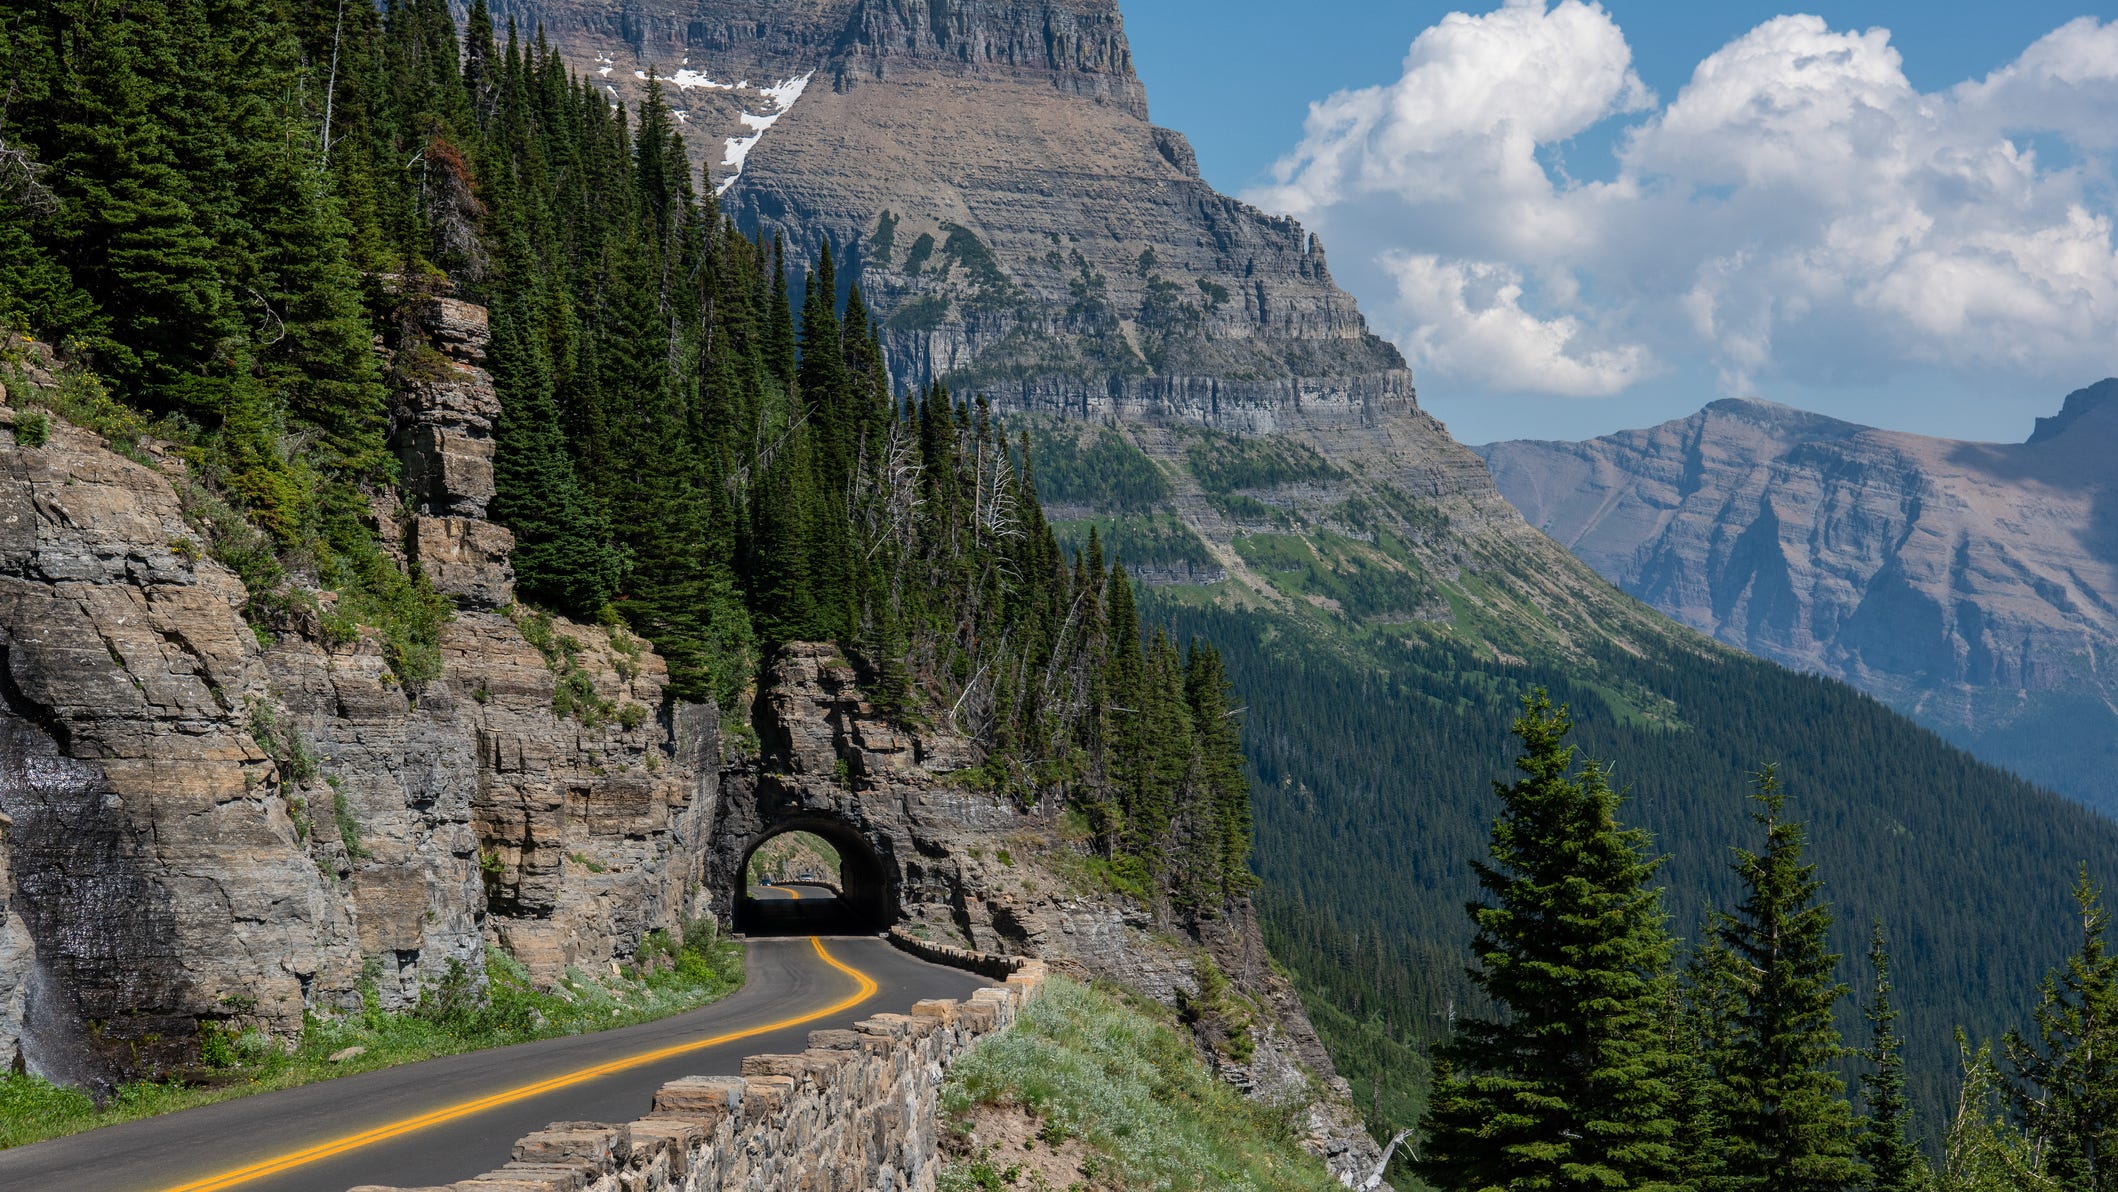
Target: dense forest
220 209
1603 1061
1373 767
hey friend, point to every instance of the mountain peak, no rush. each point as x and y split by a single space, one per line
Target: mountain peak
2078 404
1781 421
1080 44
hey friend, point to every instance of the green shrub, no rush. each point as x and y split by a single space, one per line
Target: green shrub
348 827
1223 463
32 429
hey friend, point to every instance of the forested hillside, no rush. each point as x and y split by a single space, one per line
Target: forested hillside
1374 765
221 209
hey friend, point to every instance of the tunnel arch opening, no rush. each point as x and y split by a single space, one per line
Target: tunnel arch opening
861 901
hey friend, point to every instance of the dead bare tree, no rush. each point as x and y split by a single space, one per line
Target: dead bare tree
22 181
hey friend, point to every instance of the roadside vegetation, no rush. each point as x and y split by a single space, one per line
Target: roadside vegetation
453 1016
1094 1089
795 856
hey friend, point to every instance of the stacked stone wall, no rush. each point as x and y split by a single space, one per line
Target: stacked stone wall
985 964
855 1112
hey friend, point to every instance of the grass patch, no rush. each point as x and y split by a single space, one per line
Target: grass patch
1118 1075
1362 579
453 1016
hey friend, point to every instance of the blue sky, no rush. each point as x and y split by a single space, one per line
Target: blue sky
1945 264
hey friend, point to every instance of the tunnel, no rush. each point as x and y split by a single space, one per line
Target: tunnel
862 901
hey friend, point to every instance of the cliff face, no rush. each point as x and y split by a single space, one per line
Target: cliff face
1970 585
987 171
207 825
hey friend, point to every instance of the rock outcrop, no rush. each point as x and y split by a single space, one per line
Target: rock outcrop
208 825
1973 586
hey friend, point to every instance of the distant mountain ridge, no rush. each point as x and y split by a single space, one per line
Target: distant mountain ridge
1973 586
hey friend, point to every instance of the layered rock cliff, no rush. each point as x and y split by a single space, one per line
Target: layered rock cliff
987 171
210 822
1973 586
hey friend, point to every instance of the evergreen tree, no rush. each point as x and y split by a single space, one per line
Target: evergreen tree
1886 1147
1223 789
562 557
1789 1127
1569 1087
2065 1085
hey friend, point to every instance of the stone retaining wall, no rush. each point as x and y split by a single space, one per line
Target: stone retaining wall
853 1113
985 964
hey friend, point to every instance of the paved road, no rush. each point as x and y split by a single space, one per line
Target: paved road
223 1146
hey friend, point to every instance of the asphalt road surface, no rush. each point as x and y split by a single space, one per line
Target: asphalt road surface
456 1117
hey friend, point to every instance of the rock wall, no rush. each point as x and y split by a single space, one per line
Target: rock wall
213 824
853 1113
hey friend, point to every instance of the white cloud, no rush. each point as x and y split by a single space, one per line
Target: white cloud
1798 210
1468 319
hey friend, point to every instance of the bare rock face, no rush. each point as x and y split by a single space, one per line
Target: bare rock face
158 870
18 956
209 826
987 171
1973 586
442 428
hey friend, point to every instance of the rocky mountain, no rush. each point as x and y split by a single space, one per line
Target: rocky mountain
1195 387
988 171
1973 586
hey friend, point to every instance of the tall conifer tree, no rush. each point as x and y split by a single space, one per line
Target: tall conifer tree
1569 1085
1886 1146
2065 1084
1789 1127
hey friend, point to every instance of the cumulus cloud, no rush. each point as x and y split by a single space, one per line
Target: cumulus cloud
1797 210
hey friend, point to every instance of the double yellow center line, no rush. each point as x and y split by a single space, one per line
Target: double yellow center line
463 1109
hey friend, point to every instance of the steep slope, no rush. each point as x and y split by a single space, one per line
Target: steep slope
1969 585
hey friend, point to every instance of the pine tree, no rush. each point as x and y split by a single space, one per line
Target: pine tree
1569 1086
562 555
1222 787
1886 1147
2065 1085
1789 1127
